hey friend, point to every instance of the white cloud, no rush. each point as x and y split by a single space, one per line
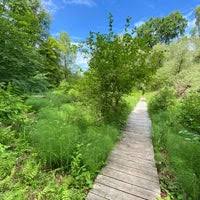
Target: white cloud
189 14
49 5
89 3
191 24
139 23
191 21
82 60
190 27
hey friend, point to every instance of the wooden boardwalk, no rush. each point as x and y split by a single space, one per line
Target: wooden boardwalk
130 173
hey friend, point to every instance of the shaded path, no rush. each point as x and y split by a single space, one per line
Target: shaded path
130 173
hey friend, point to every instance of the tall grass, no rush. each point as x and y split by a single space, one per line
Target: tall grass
58 132
177 154
64 130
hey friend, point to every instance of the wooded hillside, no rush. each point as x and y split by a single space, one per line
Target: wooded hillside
59 123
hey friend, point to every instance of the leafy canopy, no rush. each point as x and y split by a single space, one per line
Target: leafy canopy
162 29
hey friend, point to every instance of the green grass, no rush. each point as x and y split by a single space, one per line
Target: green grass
59 152
177 153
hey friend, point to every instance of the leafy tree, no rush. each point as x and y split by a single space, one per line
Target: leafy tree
24 26
162 29
51 52
58 56
117 64
28 17
197 22
68 50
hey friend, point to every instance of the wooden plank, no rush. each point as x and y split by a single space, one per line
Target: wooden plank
127 178
127 188
133 165
133 172
92 196
136 146
128 156
143 154
111 193
133 159
140 155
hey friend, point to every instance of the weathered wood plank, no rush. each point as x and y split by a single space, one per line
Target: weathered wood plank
127 178
111 193
140 155
92 196
133 172
126 187
133 159
143 168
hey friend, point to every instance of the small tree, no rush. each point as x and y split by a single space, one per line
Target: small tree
117 63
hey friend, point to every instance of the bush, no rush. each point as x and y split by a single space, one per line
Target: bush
51 99
12 109
162 101
190 112
7 136
37 102
54 98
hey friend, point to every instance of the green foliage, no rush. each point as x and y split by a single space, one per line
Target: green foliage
117 64
162 100
27 180
177 150
30 59
7 161
23 177
20 59
59 54
50 50
162 29
12 110
190 112
180 66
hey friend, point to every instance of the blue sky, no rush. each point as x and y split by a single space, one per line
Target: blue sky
78 17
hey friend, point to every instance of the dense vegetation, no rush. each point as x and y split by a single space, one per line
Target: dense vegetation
59 124
175 111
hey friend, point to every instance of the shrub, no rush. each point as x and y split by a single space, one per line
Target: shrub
162 101
37 102
48 100
52 99
7 136
8 160
190 112
12 109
